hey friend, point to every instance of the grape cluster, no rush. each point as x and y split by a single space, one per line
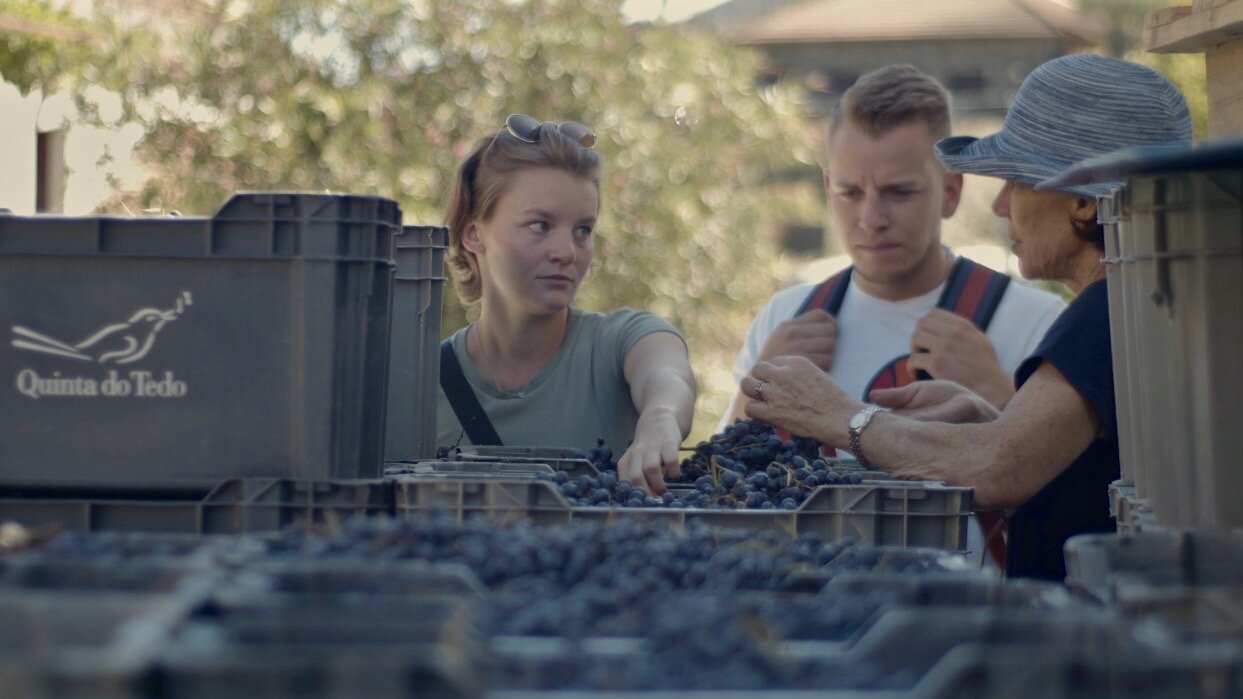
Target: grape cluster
701 607
753 444
601 456
748 466
729 486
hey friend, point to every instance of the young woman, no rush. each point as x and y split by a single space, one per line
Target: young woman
1051 453
522 218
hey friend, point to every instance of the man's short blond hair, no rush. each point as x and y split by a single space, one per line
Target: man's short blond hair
894 96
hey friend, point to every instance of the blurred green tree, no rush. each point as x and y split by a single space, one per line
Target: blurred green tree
385 96
41 47
1124 22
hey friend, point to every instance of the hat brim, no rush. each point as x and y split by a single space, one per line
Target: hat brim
990 156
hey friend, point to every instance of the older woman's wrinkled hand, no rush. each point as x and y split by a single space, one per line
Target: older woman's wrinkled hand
796 395
935 401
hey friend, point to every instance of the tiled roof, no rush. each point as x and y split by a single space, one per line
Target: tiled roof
815 21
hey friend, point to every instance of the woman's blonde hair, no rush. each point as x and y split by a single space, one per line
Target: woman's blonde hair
484 177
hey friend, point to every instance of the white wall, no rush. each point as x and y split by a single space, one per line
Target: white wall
17 149
93 154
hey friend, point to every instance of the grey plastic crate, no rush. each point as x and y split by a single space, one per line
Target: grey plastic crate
979 671
1119 279
233 506
1132 513
333 646
84 644
283 671
1184 613
56 572
362 576
898 514
129 545
1176 233
1098 563
414 364
468 469
159 350
572 461
266 505
897 653
171 510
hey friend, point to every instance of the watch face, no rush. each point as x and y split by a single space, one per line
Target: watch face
857 420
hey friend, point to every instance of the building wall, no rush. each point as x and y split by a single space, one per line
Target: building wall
18 181
85 160
982 74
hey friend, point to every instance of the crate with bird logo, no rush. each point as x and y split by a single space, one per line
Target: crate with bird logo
168 349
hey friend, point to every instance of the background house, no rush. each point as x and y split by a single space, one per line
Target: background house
980 49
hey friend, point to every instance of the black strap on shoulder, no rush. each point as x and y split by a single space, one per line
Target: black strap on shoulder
829 294
464 401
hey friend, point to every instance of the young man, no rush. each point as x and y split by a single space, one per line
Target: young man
887 194
907 307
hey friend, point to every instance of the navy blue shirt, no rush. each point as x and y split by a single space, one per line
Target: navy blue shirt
1077 500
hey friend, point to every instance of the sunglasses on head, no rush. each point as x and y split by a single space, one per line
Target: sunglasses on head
527 129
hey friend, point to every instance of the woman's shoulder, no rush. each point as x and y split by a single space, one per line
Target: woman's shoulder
615 319
620 328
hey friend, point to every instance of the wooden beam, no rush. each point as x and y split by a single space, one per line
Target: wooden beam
1195 28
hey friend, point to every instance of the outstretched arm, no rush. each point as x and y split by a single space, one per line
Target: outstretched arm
663 389
1043 429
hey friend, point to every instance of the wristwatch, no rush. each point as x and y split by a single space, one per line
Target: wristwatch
859 422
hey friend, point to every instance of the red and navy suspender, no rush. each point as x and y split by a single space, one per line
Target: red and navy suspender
972 291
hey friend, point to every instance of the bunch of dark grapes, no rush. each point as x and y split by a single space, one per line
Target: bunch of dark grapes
748 466
753 444
698 599
602 457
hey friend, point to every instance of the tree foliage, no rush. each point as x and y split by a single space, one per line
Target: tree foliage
1124 21
41 47
385 96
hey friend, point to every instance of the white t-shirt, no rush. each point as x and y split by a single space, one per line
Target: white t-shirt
872 331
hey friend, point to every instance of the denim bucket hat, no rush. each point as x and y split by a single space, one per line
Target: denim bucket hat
1069 109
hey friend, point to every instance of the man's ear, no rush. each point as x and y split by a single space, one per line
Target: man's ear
471 239
953 194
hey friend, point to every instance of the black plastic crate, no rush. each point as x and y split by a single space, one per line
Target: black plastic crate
173 350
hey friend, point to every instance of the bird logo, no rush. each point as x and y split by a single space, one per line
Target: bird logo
119 343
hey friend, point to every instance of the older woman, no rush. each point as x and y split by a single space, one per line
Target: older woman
533 370
1051 453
